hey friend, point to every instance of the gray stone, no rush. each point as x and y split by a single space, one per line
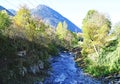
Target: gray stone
21 53
41 64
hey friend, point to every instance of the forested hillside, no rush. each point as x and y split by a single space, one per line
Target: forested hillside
26 44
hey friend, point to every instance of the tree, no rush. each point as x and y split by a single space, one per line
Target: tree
61 30
4 20
22 17
24 20
67 38
116 31
96 28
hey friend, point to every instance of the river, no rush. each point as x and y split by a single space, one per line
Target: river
65 71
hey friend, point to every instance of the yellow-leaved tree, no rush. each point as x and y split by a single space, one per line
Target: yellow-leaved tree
96 27
67 38
22 17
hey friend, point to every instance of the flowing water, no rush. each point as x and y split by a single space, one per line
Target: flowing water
65 71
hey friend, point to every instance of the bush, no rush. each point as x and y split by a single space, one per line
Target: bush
108 61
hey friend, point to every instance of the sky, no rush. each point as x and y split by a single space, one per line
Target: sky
74 10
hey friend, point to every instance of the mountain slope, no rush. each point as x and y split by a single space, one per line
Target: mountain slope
9 13
12 11
52 17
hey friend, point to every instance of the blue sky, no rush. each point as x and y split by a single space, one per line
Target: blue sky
74 10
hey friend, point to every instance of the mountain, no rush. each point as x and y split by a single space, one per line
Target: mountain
9 13
12 11
52 17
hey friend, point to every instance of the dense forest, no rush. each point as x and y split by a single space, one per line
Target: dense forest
26 44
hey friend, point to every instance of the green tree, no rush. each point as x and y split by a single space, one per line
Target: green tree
96 27
4 20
